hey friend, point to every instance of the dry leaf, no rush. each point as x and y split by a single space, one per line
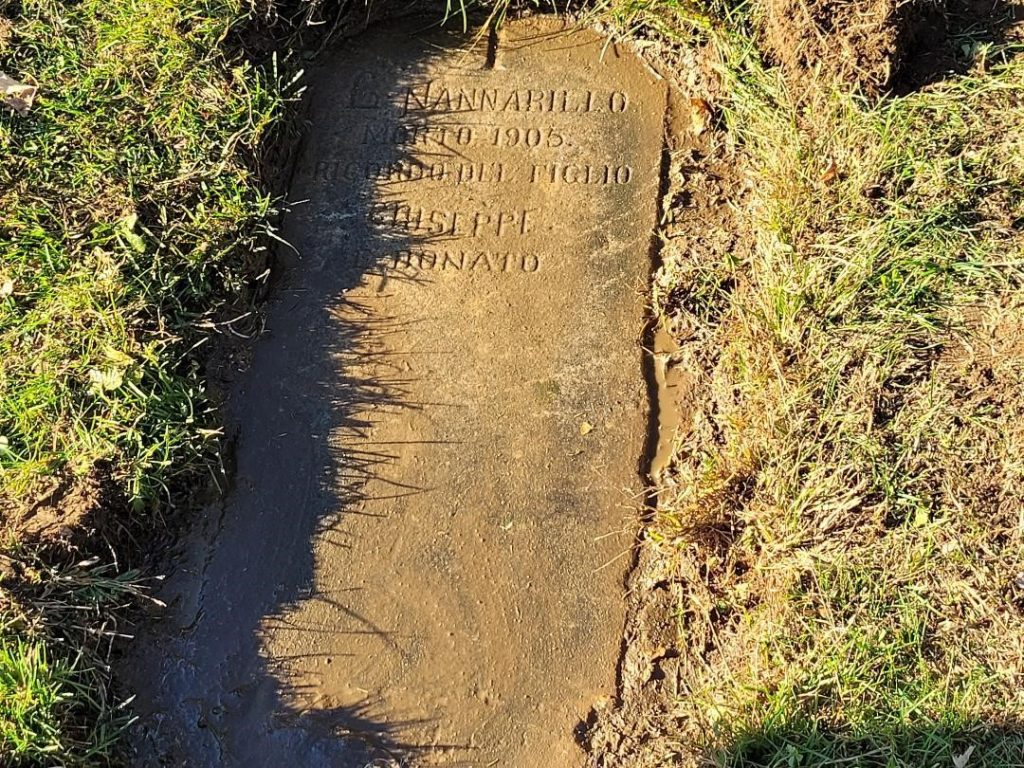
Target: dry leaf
106 380
134 240
831 173
17 96
702 115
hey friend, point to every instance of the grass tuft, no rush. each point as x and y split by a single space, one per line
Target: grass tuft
32 694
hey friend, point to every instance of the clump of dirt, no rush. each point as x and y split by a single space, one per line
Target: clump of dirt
58 508
70 510
864 42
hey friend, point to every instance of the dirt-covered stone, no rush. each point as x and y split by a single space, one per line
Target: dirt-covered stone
441 437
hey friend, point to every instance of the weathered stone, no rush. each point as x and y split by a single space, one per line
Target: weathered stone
441 437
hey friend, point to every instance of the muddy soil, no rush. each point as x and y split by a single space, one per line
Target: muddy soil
863 42
441 440
880 46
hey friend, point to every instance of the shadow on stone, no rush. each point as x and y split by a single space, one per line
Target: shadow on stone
436 490
207 693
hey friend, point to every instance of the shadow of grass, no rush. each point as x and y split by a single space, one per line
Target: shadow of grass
301 422
949 38
805 743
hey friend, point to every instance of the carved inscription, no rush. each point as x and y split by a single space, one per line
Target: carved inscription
445 97
471 173
473 218
412 262
512 149
418 220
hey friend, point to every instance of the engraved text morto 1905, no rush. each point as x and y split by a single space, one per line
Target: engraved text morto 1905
441 434
487 216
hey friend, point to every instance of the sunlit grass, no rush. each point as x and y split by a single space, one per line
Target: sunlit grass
127 215
844 515
32 694
130 217
57 627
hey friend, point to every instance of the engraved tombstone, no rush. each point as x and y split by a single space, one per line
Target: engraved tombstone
441 435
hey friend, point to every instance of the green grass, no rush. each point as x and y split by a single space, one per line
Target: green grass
130 223
58 625
844 520
127 215
32 694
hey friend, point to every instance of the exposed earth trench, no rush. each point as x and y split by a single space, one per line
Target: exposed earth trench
445 441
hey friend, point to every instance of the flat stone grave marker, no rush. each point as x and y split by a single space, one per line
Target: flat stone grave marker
441 437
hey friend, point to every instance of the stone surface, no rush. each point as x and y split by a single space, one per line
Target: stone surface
441 437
